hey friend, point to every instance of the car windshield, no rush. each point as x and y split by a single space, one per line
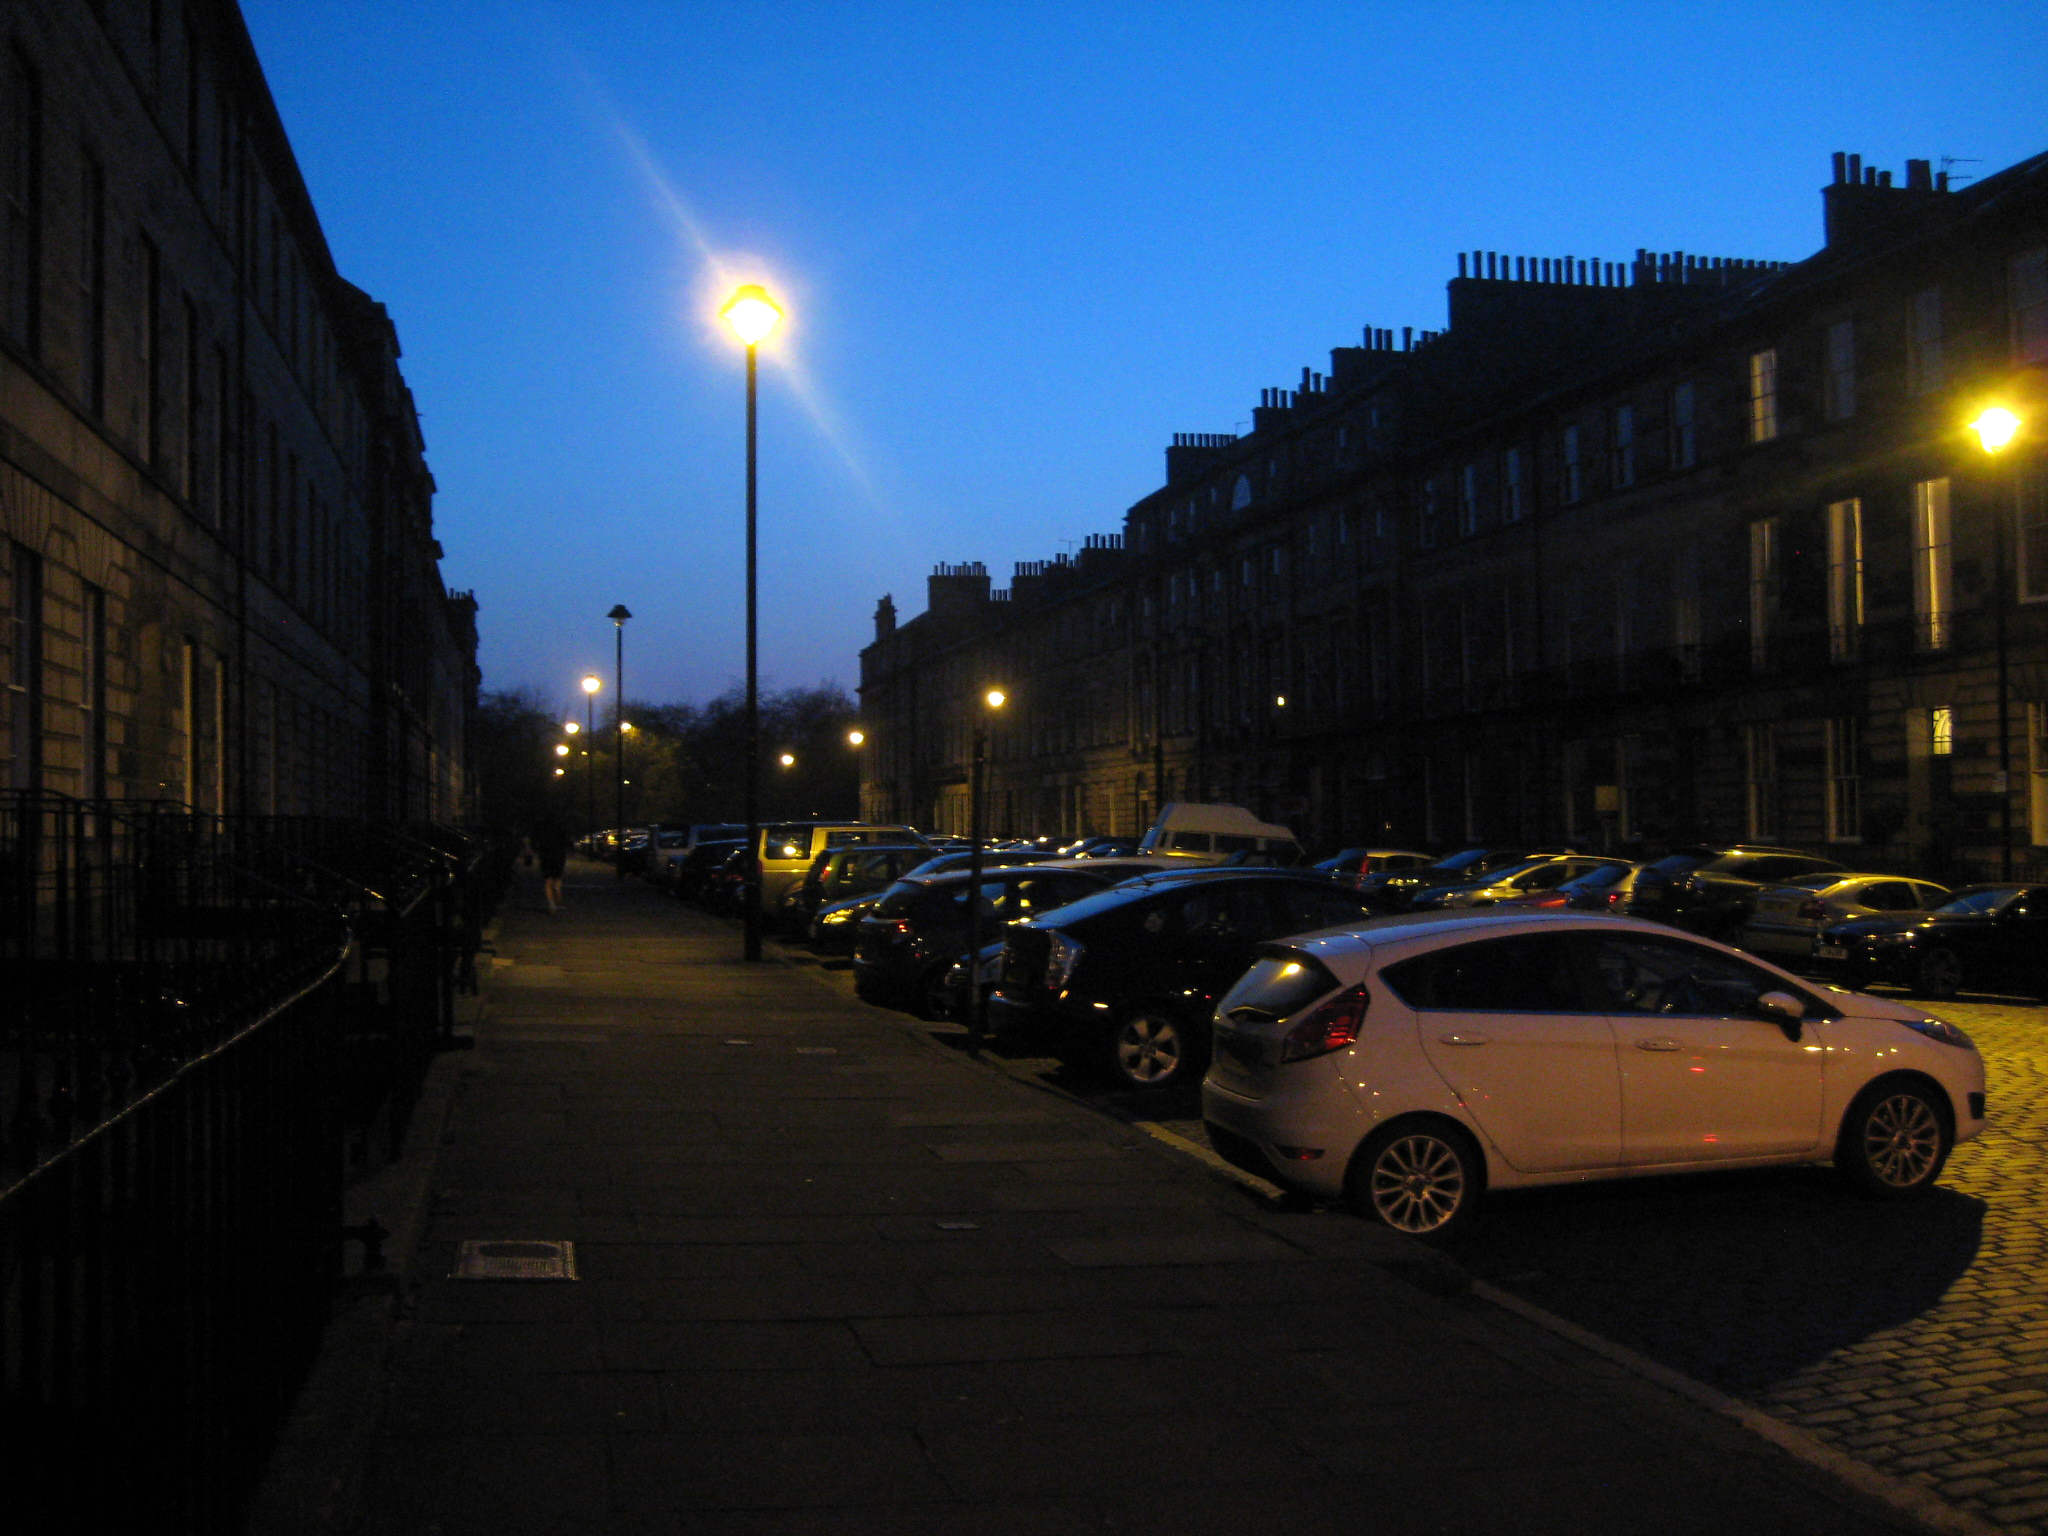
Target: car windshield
1978 901
1470 858
1593 879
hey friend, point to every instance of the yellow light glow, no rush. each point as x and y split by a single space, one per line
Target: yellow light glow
561 750
855 738
560 771
1280 700
788 760
591 684
996 698
1995 428
570 728
625 725
751 314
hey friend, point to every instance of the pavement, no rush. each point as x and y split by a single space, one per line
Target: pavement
835 1276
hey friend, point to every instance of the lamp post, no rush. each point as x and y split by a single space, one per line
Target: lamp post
618 616
855 739
1995 429
590 687
752 315
977 1007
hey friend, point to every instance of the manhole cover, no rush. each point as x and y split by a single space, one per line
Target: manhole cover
515 1261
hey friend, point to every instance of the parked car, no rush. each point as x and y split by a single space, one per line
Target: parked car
667 864
723 888
1993 936
1208 833
1125 981
694 871
991 858
910 939
1605 889
787 848
1716 895
1533 879
1788 919
1412 1064
1390 890
835 927
1352 865
839 873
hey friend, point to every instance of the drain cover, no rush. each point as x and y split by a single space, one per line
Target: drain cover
515 1261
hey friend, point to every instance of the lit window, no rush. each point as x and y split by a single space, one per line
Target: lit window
1845 578
1763 395
1941 731
1933 572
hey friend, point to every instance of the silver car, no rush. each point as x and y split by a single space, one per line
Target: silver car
1789 918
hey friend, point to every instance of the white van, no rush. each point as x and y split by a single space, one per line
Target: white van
1209 834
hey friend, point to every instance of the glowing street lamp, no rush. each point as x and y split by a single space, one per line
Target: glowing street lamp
787 759
618 616
1996 427
570 728
752 315
561 749
855 737
590 687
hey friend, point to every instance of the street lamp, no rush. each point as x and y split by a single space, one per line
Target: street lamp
590 687
977 1007
1996 428
855 739
618 616
752 315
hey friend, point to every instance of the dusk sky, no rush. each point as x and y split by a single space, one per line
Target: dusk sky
1020 246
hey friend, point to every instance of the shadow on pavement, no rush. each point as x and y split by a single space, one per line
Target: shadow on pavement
1738 1279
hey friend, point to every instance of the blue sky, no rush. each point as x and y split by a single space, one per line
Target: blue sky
1020 244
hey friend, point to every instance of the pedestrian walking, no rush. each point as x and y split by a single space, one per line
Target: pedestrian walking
549 844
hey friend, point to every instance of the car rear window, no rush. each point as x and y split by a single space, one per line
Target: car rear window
899 898
786 843
1276 987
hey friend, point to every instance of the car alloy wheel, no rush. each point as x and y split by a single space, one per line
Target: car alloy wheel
1894 1140
1421 1179
1940 973
1149 1050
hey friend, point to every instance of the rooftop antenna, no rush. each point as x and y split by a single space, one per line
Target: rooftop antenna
1949 162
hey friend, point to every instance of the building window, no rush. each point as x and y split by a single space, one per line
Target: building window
1468 500
24 672
1941 731
1840 379
2027 296
1933 572
92 287
1845 578
1685 436
2037 774
21 201
1685 614
1760 771
1763 395
1511 486
2032 533
1574 478
1241 494
1763 589
1845 782
1923 342
92 693
1432 514
150 372
1622 447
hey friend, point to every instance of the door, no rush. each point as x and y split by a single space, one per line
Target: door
1705 1077
1507 1024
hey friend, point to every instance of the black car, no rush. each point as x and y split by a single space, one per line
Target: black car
695 870
1986 936
1391 890
838 874
1713 892
1126 981
909 940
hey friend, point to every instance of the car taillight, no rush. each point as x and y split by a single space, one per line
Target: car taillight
1329 1027
1616 898
1061 954
1813 909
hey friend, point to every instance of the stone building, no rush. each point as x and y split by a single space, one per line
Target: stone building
218 578
1628 554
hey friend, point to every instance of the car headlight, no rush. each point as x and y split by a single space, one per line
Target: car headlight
1940 1029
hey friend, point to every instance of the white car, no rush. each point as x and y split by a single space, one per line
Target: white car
1410 1065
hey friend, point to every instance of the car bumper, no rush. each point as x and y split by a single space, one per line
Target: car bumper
1267 1135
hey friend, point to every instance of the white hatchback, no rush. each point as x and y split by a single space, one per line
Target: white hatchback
1410 1065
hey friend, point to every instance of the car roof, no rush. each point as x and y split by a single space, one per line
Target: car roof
1409 929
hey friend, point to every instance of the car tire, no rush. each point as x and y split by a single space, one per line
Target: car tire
1895 1139
934 997
1939 973
1151 1048
1856 977
1422 1178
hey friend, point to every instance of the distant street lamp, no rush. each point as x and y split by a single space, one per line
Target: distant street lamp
752 315
618 616
855 739
977 1007
1996 428
787 759
590 687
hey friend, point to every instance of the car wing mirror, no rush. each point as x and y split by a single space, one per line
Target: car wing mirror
1783 1010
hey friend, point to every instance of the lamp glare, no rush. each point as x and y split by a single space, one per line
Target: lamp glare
1995 428
591 684
751 314
855 738
996 698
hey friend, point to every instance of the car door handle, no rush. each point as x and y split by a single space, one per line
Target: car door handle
1660 1043
1463 1039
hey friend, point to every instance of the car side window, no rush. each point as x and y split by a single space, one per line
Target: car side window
1927 897
1642 973
1525 973
1228 914
1889 896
